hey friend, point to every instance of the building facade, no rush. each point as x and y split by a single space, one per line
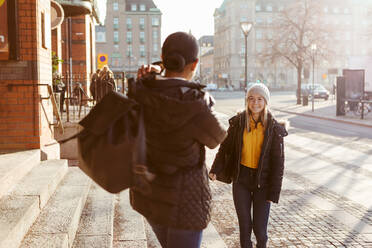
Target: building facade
27 38
131 35
347 21
205 70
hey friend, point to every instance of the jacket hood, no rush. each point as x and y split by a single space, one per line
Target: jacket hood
174 102
280 126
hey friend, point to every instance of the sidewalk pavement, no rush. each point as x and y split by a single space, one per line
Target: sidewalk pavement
325 110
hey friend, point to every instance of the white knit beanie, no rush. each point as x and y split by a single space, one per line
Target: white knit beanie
261 89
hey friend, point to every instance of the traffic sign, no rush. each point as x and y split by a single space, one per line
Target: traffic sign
102 60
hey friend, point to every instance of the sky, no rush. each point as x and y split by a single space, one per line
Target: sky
184 15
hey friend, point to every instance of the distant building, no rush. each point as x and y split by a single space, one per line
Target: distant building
206 67
349 23
205 70
131 34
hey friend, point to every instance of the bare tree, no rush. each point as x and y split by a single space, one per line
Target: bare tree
296 28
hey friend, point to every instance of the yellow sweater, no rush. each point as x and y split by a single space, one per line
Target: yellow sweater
252 144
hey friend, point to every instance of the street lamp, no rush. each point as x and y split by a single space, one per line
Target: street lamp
313 50
246 28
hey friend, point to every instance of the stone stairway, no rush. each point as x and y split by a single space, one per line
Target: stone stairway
46 204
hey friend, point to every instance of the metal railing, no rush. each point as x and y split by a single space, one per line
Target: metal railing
50 97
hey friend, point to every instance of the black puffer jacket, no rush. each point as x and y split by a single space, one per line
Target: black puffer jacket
271 163
179 122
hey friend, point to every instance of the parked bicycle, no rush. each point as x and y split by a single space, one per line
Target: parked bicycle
356 107
367 108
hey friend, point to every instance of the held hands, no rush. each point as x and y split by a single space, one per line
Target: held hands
212 176
147 69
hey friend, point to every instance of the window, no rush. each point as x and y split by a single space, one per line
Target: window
259 20
346 11
335 10
133 7
116 46
142 37
116 36
243 19
155 35
129 23
259 47
115 62
269 35
115 6
142 23
155 47
325 9
129 37
116 22
101 36
242 48
269 8
347 36
258 7
142 7
142 51
43 40
129 51
269 20
258 34
155 21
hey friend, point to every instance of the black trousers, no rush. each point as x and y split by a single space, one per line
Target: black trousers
249 199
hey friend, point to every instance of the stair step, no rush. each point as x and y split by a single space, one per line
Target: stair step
57 223
43 180
96 222
20 208
14 166
129 228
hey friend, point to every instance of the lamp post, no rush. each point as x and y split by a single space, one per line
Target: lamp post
246 28
313 50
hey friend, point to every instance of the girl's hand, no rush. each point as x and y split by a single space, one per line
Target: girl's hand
212 176
147 69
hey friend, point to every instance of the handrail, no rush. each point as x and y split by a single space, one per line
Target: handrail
56 112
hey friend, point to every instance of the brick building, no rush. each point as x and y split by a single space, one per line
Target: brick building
26 112
131 34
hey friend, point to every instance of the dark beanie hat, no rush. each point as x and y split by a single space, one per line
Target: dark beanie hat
179 49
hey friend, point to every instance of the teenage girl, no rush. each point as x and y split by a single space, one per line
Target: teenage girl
252 158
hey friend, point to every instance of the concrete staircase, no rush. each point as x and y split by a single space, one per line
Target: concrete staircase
46 204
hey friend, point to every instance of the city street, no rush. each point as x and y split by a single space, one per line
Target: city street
326 199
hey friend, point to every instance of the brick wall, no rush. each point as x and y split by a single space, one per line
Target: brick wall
83 50
24 120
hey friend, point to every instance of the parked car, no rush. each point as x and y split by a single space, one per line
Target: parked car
319 91
211 87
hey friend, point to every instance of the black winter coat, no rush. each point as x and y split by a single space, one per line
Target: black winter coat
179 123
271 163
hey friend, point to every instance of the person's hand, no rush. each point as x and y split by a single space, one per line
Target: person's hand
147 69
212 176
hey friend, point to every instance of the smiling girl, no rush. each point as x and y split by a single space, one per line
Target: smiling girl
252 158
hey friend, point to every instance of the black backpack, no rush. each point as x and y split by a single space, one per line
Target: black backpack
112 144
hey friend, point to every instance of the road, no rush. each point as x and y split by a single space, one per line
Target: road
327 190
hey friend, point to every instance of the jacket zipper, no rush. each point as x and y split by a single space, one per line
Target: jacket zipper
262 158
240 149
281 150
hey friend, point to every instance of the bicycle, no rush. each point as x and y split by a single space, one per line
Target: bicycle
367 107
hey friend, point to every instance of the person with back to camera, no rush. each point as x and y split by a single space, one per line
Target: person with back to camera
179 123
252 158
